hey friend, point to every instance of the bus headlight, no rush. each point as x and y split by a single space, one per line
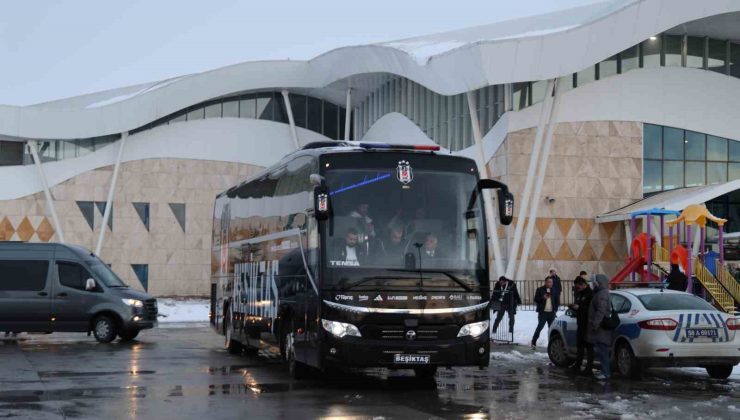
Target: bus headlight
474 330
340 329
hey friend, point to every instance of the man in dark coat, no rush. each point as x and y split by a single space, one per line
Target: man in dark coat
582 300
556 284
600 337
505 299
547 306
676 279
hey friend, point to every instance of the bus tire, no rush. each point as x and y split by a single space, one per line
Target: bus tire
296 369
231 345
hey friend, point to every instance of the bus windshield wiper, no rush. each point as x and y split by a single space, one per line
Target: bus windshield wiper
371 278
450 275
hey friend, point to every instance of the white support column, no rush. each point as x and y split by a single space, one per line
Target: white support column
541 171
293 131
348 114
111 192
47 193
545 115
487 198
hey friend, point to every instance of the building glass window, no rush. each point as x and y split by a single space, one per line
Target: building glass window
629 59
733 171
650 50
717 56
695 175
672 143
608 67
213 111
11 153
231 109
672 174
652 176
331 120
672 47
586 76
298 108
196 114
264 106
280 113
653 141
735 60
716 148
521 94
695 52
695 146
734 150
179 118
716 172
314 118
248 107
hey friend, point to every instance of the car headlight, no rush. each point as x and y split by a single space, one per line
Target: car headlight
133 302
340 329
474 330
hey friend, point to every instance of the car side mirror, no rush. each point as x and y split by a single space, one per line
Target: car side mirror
90 285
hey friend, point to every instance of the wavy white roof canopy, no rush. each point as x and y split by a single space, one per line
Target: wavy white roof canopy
532 48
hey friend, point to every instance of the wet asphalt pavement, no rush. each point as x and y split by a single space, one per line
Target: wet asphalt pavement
181 372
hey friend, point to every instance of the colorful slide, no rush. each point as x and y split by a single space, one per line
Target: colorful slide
636 264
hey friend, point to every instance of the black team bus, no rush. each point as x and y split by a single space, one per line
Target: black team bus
351 254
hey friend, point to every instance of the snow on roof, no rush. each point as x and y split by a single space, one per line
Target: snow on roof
677 199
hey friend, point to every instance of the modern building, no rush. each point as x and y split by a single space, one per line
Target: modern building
617 101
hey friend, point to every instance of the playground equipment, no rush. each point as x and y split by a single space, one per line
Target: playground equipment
650 260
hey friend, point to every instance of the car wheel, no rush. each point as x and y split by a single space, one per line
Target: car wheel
425 372
296 369
627 364
557 351
104 329
128 335
231 345
719 372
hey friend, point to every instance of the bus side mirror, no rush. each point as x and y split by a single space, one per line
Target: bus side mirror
505 199
321 206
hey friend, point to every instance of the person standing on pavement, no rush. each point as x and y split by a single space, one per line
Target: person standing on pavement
505 299
547 302
582 300
597 335
556 284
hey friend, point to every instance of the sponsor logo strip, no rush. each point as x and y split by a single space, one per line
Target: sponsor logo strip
363 309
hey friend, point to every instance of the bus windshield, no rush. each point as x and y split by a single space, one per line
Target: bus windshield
385 218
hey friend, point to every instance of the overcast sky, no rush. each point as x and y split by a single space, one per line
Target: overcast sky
51 49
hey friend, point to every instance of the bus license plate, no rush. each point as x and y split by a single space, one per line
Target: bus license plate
411 359
700 332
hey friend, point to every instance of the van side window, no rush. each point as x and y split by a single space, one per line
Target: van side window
26 275
72 275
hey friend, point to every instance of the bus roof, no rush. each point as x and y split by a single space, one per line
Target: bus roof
340 146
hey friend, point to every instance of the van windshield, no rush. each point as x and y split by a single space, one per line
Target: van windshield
105 274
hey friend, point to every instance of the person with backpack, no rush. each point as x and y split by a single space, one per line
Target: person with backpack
601 318
505 299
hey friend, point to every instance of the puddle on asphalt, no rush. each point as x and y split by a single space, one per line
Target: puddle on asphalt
71 374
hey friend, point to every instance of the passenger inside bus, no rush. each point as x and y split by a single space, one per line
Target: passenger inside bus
350 251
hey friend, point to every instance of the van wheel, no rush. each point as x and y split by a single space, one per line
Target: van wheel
627 363
104 329
719 372
296 369
128 335
557 352
231 345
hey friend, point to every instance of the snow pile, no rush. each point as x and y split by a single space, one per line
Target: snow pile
515 355
183 310
524 326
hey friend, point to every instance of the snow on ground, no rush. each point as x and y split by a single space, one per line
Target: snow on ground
524 326
183 310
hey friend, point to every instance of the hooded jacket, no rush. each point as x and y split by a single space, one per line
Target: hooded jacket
599 309
676 279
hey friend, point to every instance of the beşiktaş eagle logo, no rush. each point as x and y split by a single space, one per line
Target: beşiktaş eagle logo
404 173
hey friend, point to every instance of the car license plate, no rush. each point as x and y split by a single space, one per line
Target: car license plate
701 332
411 359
